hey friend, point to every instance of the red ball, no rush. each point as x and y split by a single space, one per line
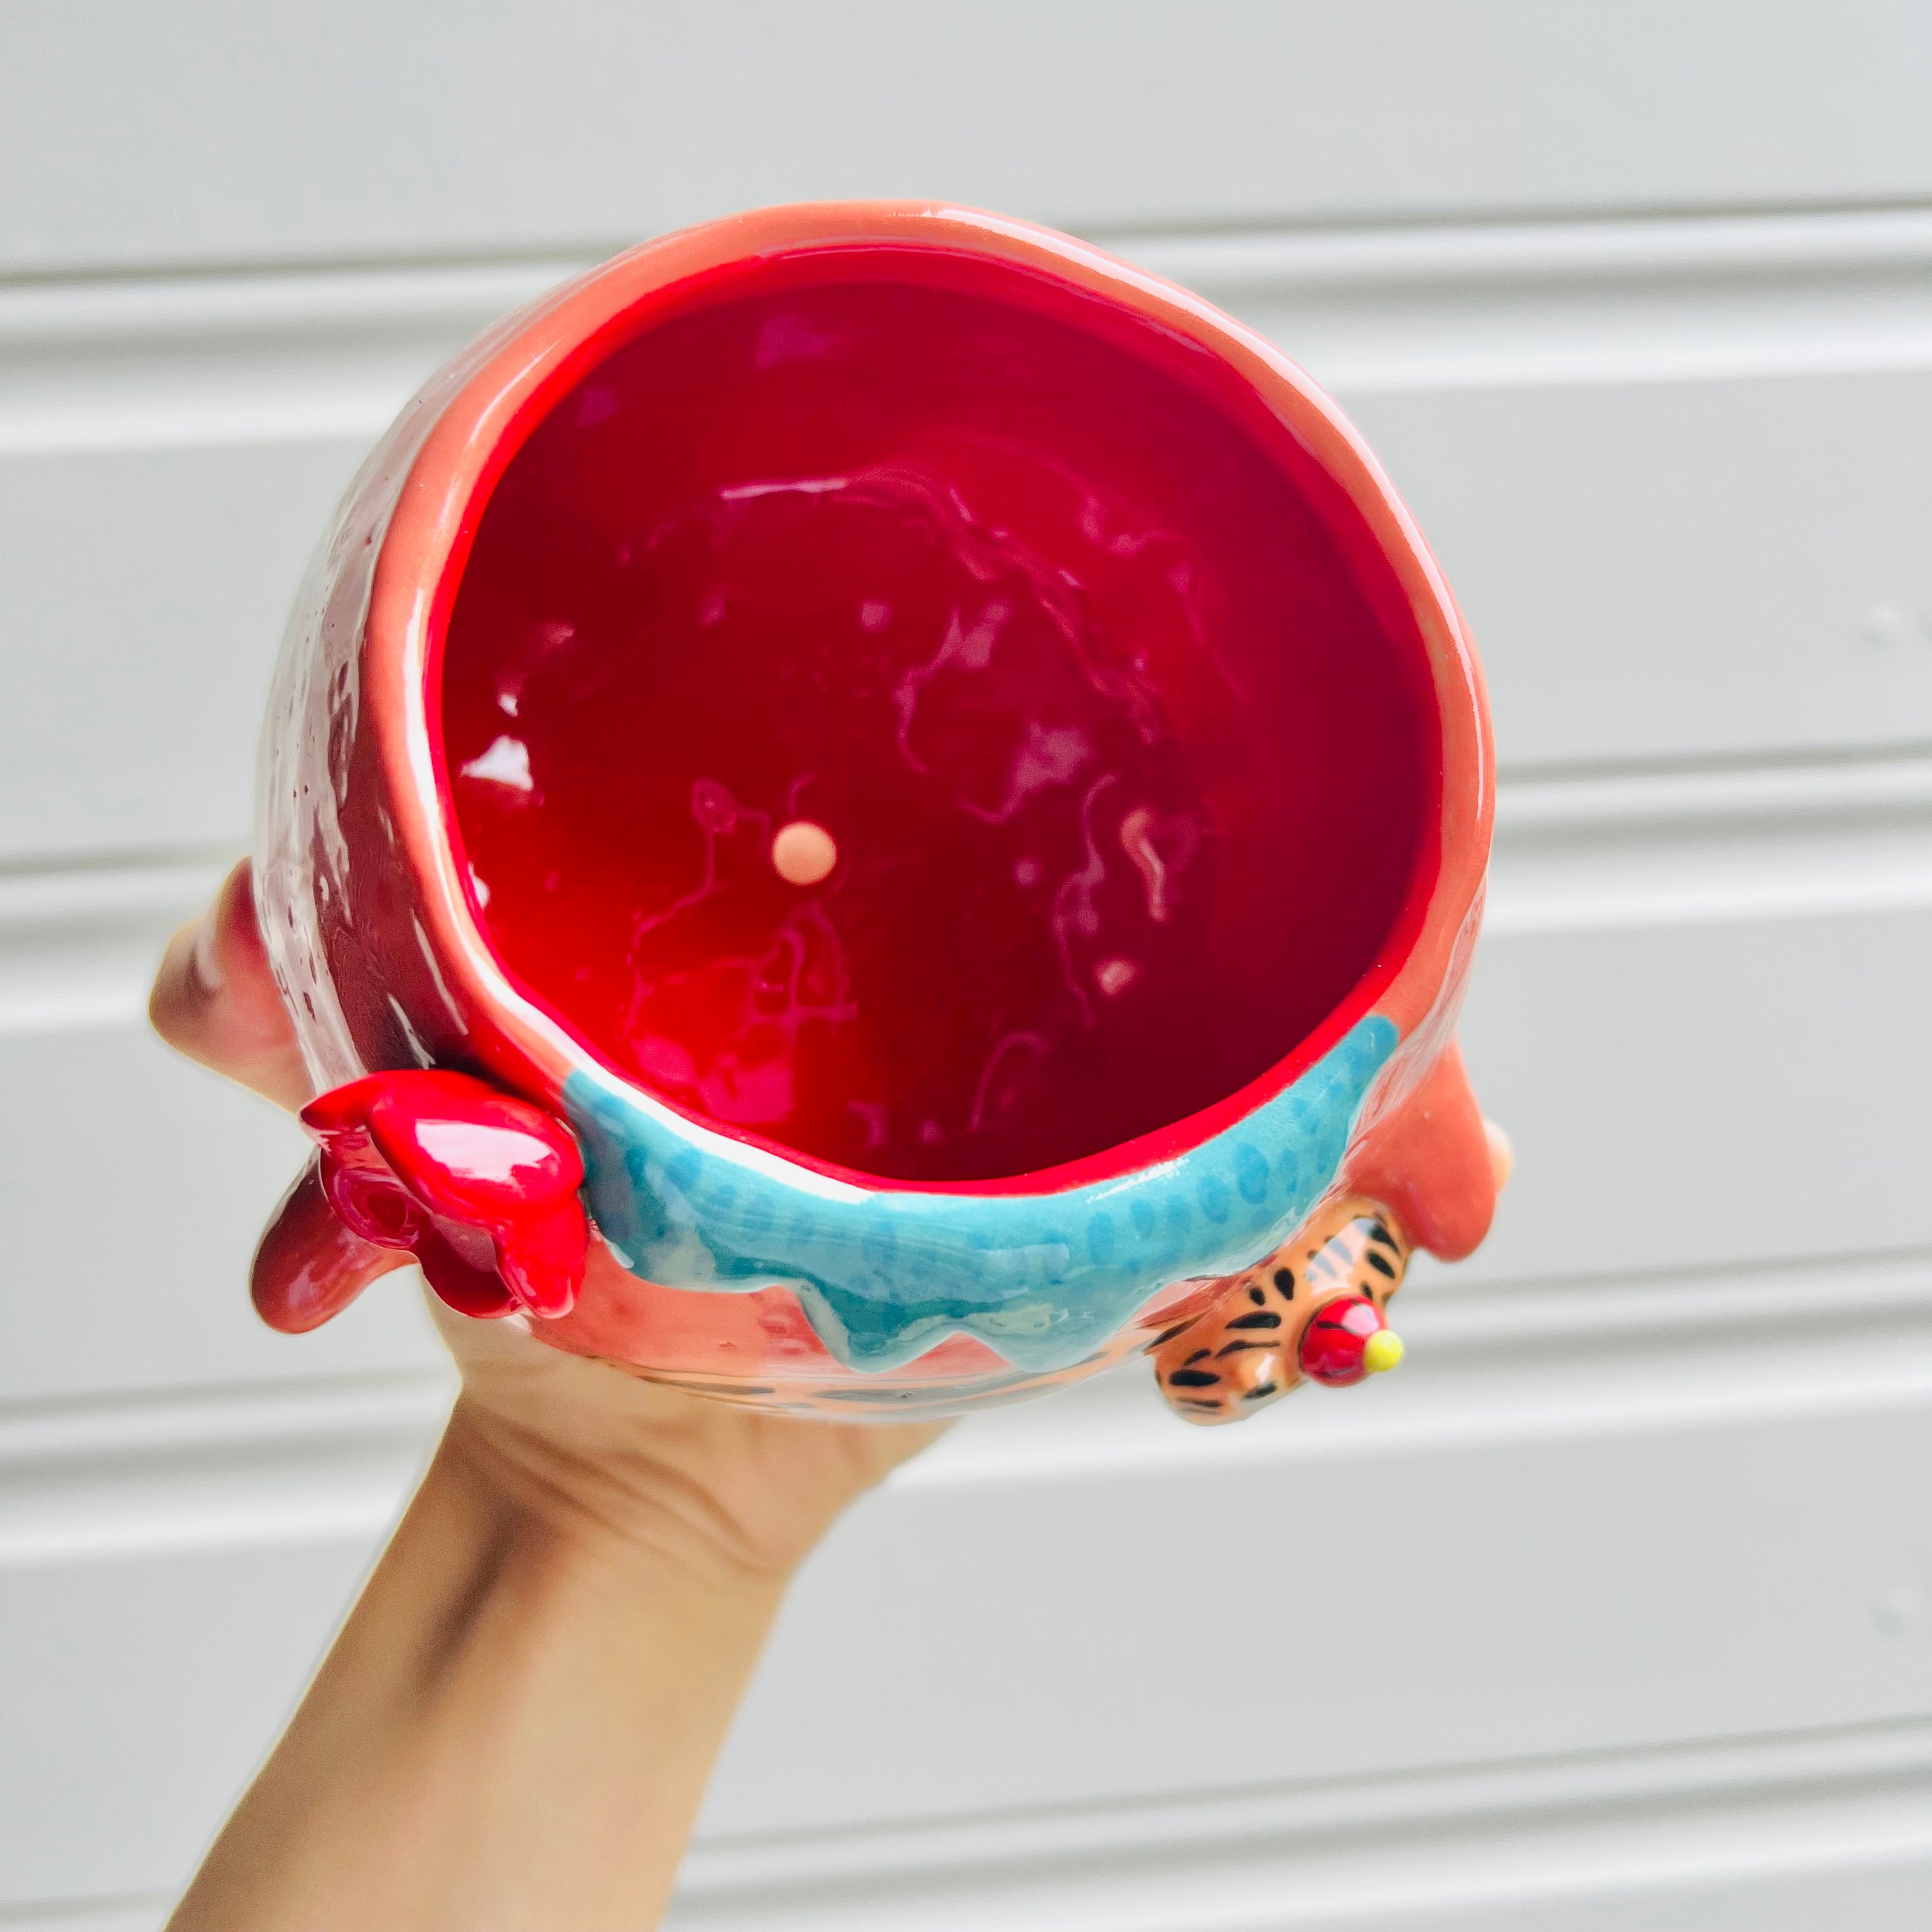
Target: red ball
1333 1343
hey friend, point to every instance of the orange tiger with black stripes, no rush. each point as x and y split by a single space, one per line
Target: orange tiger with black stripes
1315 1309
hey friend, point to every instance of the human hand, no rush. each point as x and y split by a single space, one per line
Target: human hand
588 1450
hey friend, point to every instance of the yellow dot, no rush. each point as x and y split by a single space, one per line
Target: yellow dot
802 854
1381 1351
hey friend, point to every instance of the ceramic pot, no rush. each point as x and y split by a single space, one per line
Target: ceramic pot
925 778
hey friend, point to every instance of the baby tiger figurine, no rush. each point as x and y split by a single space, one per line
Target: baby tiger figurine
1314 1309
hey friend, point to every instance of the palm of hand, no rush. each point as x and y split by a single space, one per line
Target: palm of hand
571 1436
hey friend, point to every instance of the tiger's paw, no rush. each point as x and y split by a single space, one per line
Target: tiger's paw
1314 1310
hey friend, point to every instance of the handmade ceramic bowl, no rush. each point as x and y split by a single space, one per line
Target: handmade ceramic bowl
922 776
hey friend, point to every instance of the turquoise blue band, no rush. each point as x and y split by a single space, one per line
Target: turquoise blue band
1044 1279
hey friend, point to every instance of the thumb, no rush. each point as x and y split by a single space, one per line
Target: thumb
214 998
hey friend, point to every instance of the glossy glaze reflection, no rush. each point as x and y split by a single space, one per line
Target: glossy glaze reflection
1077 686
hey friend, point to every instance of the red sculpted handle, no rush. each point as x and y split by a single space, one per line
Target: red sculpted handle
480 1188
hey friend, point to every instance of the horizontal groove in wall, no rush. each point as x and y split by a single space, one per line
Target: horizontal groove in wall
131 1912
1777 243
1118 237
1784 793
325 1460
1586 302
245 1467
1536 1362
1649 849
1410 1845
1492 1807
77 945
331 355
247 358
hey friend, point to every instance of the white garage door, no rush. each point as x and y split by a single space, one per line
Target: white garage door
1631 1567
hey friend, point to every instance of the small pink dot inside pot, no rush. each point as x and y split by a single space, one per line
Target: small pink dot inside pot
803 854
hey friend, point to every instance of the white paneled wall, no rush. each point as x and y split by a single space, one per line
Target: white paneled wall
1623 1587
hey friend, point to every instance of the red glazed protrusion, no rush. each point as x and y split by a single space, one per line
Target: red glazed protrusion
1346 1340
481 1188
308 1266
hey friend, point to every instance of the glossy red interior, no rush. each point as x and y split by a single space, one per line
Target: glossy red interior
1121 730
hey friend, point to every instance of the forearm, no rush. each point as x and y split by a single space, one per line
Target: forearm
513 1729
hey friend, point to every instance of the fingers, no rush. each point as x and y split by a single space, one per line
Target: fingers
214 998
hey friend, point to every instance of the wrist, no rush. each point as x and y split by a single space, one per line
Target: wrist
635 1514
